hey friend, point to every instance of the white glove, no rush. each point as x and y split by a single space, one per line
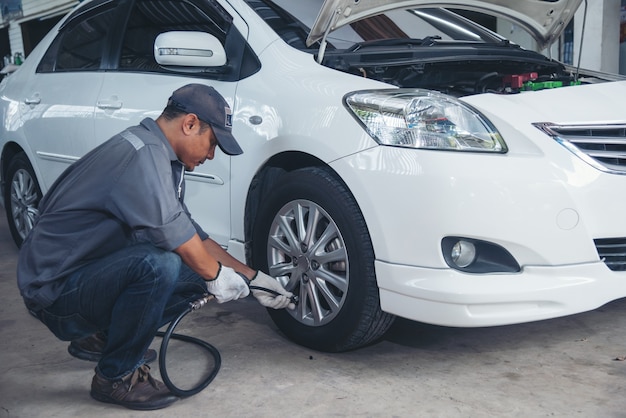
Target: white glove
270 300
227 285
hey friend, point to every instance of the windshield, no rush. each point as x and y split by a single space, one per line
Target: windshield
292 19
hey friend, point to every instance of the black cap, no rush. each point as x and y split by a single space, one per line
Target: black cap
210 107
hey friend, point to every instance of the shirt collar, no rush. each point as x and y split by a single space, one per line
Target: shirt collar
151 125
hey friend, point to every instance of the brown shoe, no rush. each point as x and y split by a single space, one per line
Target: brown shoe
90 348
137 390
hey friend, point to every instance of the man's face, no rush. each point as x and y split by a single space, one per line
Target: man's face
197 148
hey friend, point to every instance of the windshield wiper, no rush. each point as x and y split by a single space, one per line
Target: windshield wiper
427 41
430 40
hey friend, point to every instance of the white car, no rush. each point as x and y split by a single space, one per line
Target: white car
399 159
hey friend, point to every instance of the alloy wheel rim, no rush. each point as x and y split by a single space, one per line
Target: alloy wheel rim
24 200
308 255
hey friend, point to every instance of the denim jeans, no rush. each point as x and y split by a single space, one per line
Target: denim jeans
128 295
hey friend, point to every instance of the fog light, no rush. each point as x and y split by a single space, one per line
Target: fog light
471 255
463 253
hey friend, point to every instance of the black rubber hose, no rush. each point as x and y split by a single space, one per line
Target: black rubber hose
167 335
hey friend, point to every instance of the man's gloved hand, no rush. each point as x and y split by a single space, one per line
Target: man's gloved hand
269 300
227 285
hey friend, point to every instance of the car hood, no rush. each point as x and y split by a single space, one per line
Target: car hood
543 19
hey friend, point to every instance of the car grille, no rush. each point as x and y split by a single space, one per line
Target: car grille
613 252
602 146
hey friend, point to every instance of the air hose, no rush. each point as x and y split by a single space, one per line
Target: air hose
170 334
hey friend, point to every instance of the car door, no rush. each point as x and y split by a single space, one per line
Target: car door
138 87
58 106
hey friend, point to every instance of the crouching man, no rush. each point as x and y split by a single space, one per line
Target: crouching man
114 254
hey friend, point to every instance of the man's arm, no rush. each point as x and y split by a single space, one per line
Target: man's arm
198 258
226 259
203 256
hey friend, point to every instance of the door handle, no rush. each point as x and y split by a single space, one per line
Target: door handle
34 100
109 104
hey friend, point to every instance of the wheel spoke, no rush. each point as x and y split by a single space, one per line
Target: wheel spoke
30 196
15 205
329 234
338 254
324 291
279 244
313 220
338 281
281 269
301 225
317 312
29 221
288 233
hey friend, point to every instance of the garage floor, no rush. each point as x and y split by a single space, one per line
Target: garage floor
558 368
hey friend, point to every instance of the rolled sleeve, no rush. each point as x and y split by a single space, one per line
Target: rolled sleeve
168 236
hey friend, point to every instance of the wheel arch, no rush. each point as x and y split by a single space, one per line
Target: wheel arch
268 175
10 150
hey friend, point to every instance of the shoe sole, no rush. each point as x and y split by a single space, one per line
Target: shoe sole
139 406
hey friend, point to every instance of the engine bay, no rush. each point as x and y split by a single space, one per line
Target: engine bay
459 76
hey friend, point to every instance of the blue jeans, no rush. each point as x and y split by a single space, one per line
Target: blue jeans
128 295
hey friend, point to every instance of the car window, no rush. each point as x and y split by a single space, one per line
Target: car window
292 30
80 44
149 18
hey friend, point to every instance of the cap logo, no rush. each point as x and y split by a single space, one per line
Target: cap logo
228 117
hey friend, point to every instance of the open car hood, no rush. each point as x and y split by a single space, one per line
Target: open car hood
543 19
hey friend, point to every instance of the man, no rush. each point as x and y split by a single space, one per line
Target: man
115 254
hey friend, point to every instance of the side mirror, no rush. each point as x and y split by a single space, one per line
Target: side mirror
188 49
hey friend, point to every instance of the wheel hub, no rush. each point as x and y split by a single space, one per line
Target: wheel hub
22 206
302 264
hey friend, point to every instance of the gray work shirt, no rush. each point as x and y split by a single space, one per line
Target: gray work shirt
129 189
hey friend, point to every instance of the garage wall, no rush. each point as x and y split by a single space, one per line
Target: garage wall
35 9
15 38
601 48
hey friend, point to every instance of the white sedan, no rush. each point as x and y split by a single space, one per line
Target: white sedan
399 159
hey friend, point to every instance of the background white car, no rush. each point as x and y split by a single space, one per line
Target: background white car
399 159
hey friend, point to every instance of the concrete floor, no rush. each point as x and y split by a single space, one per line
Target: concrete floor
559 368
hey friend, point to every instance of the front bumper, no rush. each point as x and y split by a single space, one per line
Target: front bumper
545 216
450 298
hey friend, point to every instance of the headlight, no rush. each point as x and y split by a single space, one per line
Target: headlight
423 119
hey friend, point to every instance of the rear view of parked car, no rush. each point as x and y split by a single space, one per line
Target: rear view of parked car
399 159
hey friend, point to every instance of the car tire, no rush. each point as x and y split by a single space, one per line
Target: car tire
21 197
310 235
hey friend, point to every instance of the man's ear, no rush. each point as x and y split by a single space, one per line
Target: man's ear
190 123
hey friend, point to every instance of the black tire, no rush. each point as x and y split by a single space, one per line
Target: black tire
21 197
330 268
